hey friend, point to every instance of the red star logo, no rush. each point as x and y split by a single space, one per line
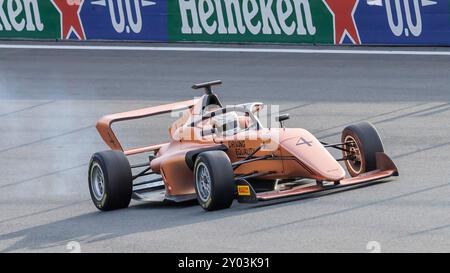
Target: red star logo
70 17
344 22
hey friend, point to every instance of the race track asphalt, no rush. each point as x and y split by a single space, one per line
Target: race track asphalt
50 101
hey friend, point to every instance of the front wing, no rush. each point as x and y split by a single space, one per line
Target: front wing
385 168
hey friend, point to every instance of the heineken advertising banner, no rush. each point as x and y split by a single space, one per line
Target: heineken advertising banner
357 22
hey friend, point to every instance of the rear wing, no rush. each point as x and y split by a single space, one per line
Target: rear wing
107 134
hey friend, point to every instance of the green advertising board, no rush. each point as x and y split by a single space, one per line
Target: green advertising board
287 21
29 19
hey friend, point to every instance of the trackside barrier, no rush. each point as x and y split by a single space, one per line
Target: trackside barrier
387 22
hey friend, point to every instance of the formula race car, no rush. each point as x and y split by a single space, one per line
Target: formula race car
217 154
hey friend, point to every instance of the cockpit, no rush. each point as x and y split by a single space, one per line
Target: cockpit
231 120
210 118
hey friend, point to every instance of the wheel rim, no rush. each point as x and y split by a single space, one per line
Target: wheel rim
203 181
97 181
354 164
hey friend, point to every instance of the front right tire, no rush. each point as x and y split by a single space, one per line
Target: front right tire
214 180
363 144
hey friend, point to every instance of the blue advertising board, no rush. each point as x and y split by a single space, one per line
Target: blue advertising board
406 22
125 20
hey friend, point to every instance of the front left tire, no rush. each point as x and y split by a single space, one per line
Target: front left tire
110 180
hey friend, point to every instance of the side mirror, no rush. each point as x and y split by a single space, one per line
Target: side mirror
282 118
208 132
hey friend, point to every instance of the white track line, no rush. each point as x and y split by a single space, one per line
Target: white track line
232 49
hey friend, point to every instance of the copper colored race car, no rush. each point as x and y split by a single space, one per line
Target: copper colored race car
217 154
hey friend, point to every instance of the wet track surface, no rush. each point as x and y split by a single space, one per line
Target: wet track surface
50 101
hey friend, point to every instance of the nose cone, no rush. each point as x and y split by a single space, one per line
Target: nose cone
308 149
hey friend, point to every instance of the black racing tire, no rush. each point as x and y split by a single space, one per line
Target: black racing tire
367 144
115 189
214 180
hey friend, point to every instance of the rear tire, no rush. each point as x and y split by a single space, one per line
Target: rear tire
214 180
110 180
367 143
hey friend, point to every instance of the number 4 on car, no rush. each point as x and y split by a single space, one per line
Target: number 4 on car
218 154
